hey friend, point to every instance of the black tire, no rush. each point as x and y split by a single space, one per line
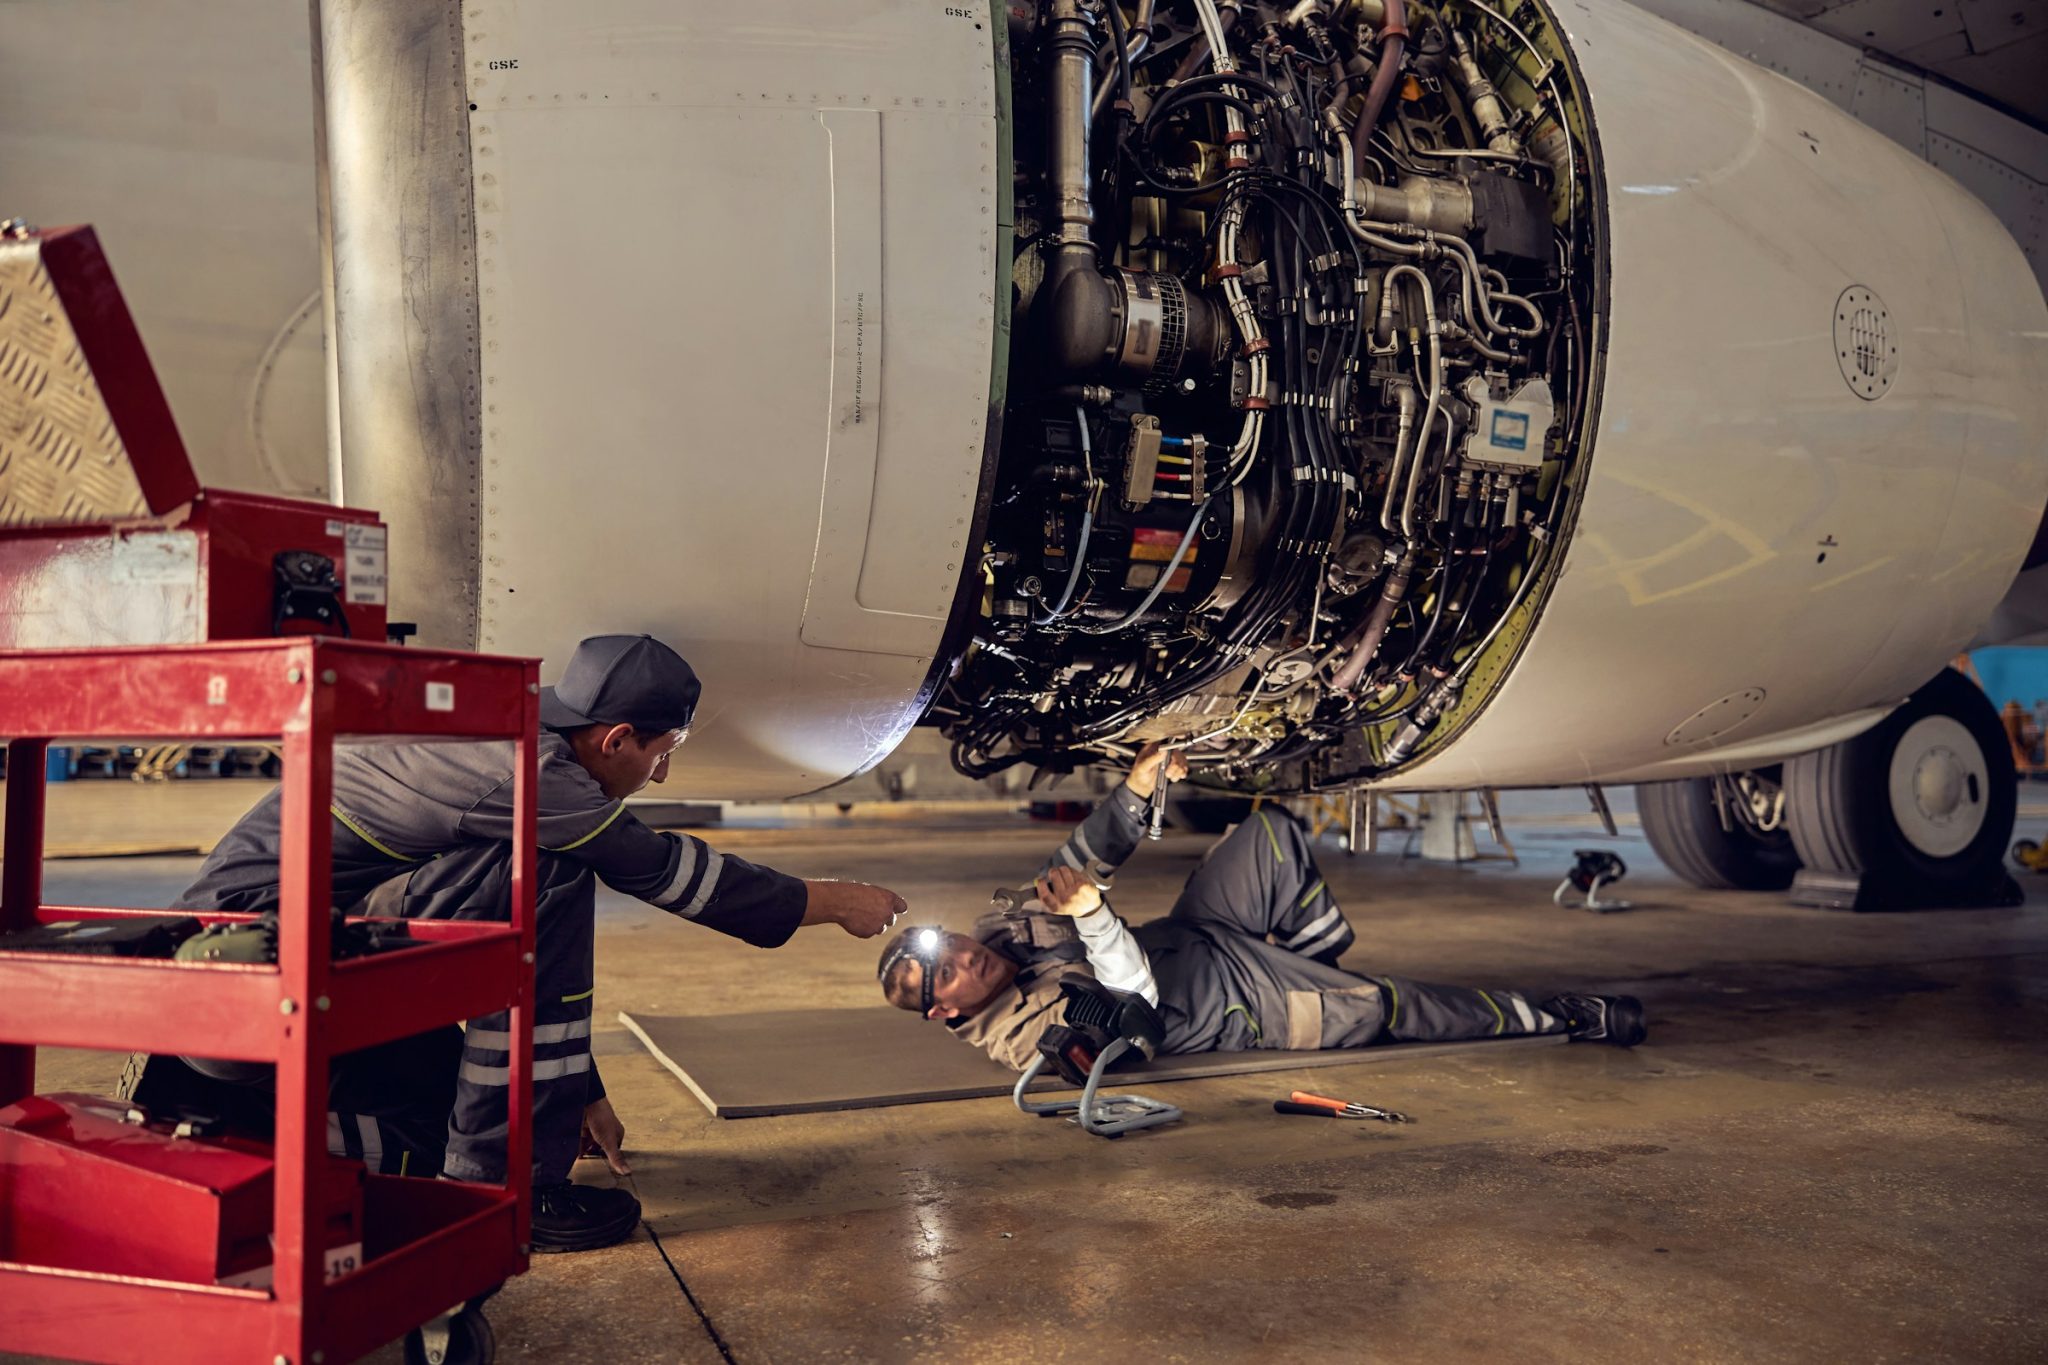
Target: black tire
1684 829
1846 817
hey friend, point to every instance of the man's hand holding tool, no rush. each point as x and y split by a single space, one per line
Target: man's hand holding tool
1065 891
1156 767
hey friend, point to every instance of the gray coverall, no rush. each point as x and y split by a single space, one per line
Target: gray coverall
440 816
1245 959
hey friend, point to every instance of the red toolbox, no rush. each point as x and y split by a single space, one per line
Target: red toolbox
94 1187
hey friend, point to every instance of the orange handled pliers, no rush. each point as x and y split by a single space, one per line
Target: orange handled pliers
1347 1109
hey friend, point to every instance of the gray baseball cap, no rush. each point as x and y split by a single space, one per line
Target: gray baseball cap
631 680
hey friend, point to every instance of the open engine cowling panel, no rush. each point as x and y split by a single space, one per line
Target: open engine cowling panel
1299 379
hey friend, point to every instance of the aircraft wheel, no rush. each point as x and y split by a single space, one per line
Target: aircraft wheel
1922 803
1683 825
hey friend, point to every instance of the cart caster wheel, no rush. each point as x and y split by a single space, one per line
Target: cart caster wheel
460 1338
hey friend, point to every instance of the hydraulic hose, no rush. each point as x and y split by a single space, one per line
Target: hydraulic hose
1393 42
1375 628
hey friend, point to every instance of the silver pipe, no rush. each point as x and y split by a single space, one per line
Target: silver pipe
1475 154
1405 396
1073 78
1436 388
1480 95
1139 42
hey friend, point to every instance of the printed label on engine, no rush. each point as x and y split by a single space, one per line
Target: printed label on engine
1510 430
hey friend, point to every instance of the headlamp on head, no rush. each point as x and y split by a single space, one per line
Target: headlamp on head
922 945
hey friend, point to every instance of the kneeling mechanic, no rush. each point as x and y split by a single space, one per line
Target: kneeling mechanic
428 827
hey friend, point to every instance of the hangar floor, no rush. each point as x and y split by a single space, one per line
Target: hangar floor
1834 1146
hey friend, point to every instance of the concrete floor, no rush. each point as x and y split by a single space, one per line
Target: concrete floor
1834 1146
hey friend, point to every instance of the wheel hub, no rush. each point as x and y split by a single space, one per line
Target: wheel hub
1938 783
1940 786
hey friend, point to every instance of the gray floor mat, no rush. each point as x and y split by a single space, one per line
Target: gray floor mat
814 1061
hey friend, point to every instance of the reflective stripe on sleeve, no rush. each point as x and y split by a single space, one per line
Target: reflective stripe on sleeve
1336 935
1315 926
714 863
688 861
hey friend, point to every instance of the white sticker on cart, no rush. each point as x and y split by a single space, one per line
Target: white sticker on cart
365 580
155 557
440 696
341 1260
336 529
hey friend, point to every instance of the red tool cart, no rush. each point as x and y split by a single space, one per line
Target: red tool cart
132 607
427 1244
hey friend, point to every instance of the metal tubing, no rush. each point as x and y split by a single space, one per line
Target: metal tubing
1405 397
1481 96
1072 76
1436 389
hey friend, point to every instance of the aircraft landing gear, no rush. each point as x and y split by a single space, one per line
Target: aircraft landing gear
1721 833
1915 813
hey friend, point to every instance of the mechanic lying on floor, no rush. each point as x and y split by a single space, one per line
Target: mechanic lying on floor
1247 958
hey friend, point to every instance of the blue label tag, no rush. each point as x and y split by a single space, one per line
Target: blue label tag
1510 430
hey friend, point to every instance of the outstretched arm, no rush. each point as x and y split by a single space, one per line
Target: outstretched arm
691 880
1112 831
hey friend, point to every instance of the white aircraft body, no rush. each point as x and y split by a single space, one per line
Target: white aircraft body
1440 395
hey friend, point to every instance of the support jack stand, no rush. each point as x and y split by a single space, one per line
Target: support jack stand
1106 1116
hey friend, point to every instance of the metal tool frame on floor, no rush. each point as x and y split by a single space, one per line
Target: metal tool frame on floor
1105 1116
432 1243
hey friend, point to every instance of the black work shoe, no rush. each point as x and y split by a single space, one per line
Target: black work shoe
1616 1020
570 1217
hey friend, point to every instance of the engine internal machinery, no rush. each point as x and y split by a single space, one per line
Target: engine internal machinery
1299 381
